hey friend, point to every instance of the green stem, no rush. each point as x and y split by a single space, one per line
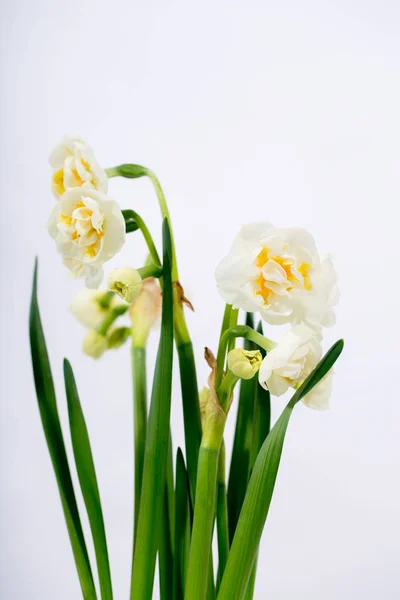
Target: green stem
150 271
138 355
111 317
222 515
147 237
225 390
134 171
203 523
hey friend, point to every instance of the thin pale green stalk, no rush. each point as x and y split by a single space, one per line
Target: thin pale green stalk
156 449
52 429
182 527
88 480
146 234
203 523
260 490
166 551
222 516
138 359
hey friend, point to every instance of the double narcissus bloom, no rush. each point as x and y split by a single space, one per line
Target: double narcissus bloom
89 229
291 361
74 165
87 226
279 273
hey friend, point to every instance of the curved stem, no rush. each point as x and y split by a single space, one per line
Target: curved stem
148 238
133 171
243 331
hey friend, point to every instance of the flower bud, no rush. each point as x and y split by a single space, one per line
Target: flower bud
244 363
126 282
94 344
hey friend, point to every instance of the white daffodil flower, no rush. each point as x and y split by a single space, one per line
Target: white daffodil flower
291 361
126 282
279 273
89 229
74 165
90 307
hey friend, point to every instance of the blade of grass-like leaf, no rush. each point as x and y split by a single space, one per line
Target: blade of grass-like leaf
156 449
261 486
182 527
165 552
88 480
55 443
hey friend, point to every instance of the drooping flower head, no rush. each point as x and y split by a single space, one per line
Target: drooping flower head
74 165
90 307
89 229
291 361
279 273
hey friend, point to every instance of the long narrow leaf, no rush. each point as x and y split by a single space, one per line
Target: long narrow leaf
261 486
156 449
88 480
165 552
182 526
55 443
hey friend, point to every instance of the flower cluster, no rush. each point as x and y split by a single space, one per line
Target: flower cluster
280 274
86 224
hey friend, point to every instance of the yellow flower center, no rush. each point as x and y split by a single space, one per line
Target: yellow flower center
58 182
286 263
79 228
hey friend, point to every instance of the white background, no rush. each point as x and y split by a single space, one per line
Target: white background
281 111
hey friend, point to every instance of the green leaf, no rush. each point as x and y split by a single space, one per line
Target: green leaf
55 443
182 526
157 440
191 410
166 551
261 486
87 479
130 221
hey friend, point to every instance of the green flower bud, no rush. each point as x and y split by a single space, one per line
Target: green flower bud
244 363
